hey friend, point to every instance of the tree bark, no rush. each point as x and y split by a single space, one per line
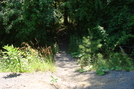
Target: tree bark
65 14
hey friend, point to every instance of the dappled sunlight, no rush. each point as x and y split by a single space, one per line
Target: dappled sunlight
67 44
69 76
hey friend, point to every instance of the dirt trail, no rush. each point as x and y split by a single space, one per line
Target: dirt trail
67 77
66 72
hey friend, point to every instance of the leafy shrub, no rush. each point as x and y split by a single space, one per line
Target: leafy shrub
119 61
119 25
102 70
90 55
89 51
12 59
24 60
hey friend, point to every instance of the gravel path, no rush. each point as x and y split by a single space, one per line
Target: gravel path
67 77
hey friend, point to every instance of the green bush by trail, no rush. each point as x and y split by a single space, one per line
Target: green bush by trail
24 60
90 55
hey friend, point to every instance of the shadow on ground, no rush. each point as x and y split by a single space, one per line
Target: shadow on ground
90 80
12 75
112 80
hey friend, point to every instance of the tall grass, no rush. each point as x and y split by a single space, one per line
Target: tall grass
26 59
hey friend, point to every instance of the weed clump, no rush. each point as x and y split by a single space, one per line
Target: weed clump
26 59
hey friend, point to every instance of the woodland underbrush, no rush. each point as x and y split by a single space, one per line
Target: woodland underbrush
27 58
96 54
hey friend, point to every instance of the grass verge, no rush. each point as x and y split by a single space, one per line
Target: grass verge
28 59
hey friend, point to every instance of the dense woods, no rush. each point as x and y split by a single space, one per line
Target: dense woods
100 32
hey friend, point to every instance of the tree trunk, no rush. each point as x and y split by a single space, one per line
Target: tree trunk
65 14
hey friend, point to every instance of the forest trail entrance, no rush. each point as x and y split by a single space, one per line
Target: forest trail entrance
68 77
63 40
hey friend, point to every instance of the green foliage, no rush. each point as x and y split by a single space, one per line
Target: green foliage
54 79
119 59
75 40
55 48
89 51
76 54
107 23
115 61
37 19
28 60
118 68
119 24
11 20
12 59
22 21
82 70
102 70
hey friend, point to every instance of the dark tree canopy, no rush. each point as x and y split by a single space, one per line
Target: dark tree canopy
24 21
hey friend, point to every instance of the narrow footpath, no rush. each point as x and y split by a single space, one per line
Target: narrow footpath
67 77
